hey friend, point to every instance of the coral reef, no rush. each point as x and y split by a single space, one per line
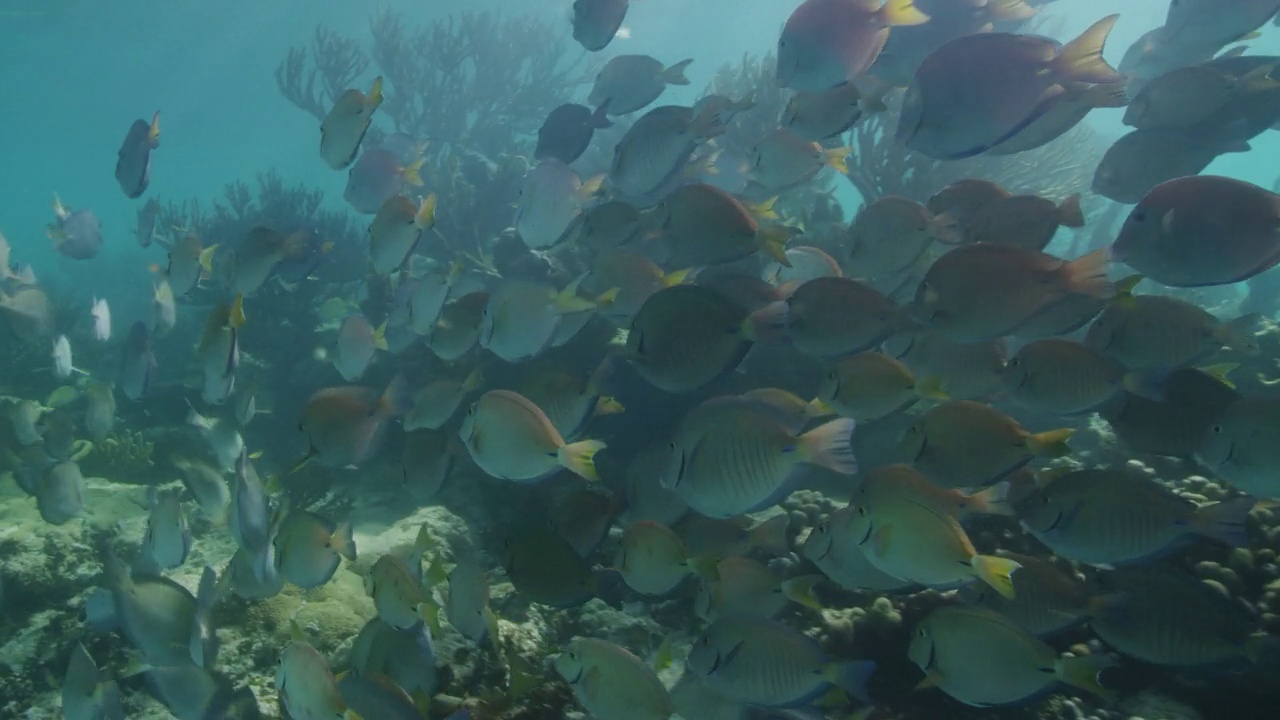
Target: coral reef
123 454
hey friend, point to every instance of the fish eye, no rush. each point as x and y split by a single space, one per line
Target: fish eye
921 632
1138 215
1014 362
1217 429
862 511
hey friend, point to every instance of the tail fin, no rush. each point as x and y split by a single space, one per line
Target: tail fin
153 132
831 446
932 387
992 501
901 12
342 542
674 75
1084 672
411 173
579 458
1081 59
380 336
1010 10
374 97
835 159
773 240
1224 521
1069 212
206 258
800 590
996 572
1050 444
1088 275
425 218
600 118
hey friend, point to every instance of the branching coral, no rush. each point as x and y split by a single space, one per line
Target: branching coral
333 61
122 455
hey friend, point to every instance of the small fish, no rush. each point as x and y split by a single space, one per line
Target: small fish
652 559
1213 24
62 366
1046 600
657 147
345 426
816 116
982 658
1108 517
86 695
834 549
437 401
76 234
630 82
1188 96
1242 447
889 235
644 497
208 487
1026 221
189 259
567 131
344 126
221 434
148 215
704 225
712 537
805 264
1202 230
764 663
395 585
219 350
729 456
167 541
685 336
249 513
1143 159
27 419
397 229
963 199
828 42
60 493
467 604
609 224
611 682
511 438
138 362
1062 377
831 316
547 570
133 161
358 341
374 695
552 195
962 443
378 176
457 330
871 385
743 587
255 260
154 613
521 318
309 548
406 657
782 160
597 22
981 292
245 406
101 313
583 518
100 414
29 312
307 688
904 482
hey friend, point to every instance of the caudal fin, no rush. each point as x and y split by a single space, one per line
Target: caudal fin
901 12
992 501
1084 672
1224 521
830 445
1081 59
674 75
1050 444
342 541
996 572
1088 275
579 458
773 240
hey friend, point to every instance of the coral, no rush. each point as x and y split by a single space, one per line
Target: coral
123 455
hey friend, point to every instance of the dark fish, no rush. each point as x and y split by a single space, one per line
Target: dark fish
75 233
567 131
596 22
133 164
138 362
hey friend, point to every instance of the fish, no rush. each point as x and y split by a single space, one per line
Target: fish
1172 415
596 22
816 116
584 516
1188 96
611 682
375 695
782 160
522 317
101 314
962 443
77 234
428 461
870 385
208 486
100 410
657 147
379 175
309 548
729 456
982 658
831 316
345 426
1046 599
743 587
167 541
397 229
567 131
727 537
1026 221
704 225
245 407
467 605
805 263
155 614
644 498
1241 448
904 482
977 91
608 224
511 438
828 42
437 401
86 695
1199 23
254 261
429 297
62 366
343 128
189 259
133 161
406 657
890 234
26 417
1201 230
249 513
982 292
148 215
832 546
1060 114
221 434
652 558
1145 332
634 276
1143 159
60 493
631 82
764 663
306 686
29 312
358 341
137 363
457 330
395 585
219 350
1110 517
547 570
1062 377
552 195
963 199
